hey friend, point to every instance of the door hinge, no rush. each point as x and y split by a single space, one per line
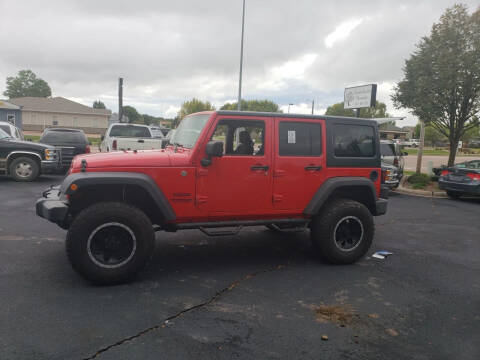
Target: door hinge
202 199
277 198
202 172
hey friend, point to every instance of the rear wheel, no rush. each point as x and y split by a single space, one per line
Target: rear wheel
110 242
453 194
24 169
343 232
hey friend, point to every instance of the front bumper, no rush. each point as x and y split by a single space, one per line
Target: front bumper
381 207
52 208
468 188
50 166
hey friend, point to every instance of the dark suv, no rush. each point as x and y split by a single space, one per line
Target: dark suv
223 169
26 160
70 142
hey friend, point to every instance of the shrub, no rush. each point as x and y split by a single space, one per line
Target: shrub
419 181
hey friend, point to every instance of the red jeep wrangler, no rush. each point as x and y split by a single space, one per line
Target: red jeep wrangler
223 169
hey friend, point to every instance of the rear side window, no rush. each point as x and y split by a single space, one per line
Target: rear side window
299 139
63 137
354 141
130 131
6 128
387 149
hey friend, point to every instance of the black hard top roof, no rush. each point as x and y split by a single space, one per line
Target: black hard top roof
64 129
283 115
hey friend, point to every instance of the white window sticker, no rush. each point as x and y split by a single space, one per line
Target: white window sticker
291 137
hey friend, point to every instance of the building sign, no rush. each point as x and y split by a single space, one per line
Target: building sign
360 96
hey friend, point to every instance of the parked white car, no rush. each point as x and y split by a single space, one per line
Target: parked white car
11 130
411 143
129 137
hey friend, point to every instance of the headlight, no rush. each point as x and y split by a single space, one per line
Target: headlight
50 154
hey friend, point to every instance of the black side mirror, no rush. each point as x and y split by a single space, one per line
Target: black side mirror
102 137
213 149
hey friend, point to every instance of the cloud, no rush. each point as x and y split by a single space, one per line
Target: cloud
342 31
170 51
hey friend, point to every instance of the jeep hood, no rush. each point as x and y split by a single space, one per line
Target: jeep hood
131 159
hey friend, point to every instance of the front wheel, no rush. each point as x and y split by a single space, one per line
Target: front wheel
110 242
343 232
453 194
24 169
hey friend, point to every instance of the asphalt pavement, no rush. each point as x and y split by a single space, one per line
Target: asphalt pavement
257 295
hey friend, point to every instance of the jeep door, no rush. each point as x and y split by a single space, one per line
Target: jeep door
239 183
299 162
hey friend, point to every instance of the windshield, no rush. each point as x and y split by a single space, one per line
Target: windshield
387 149
474 164
6 128
130 131
63 137
189 130
3 134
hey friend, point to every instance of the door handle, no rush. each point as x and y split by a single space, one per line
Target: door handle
259 167
141 141
313 168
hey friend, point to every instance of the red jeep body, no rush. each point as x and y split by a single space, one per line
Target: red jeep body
295 166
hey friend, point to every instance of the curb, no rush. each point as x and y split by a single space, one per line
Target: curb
423 193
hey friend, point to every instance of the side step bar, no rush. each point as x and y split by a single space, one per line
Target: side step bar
238 223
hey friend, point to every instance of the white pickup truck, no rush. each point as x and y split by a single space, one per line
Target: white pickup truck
129 137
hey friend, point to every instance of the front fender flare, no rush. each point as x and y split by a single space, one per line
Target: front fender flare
85 179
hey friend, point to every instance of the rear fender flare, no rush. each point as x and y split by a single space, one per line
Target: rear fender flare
329 186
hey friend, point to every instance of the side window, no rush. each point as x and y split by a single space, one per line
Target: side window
240 137
220 134
299 139
354 141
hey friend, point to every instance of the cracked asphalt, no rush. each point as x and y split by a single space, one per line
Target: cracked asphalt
257 295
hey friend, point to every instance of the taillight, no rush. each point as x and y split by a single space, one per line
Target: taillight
87 149
114 145
474 176
444 173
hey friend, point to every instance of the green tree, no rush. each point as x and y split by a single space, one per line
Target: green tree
133 115
473 133
441 82
193 106
379 111
253 105
151 120
26 83
97 104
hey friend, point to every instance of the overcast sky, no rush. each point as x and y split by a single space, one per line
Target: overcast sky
171 51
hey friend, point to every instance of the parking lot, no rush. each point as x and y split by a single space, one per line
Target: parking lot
255 295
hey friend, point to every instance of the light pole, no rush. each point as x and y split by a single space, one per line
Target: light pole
313 105
289 108
239 107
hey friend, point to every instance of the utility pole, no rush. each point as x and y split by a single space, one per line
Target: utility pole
313 105
120 99
420 147
239 106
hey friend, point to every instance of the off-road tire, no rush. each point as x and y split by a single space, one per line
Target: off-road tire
454 194
87 223
331 217
34 169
